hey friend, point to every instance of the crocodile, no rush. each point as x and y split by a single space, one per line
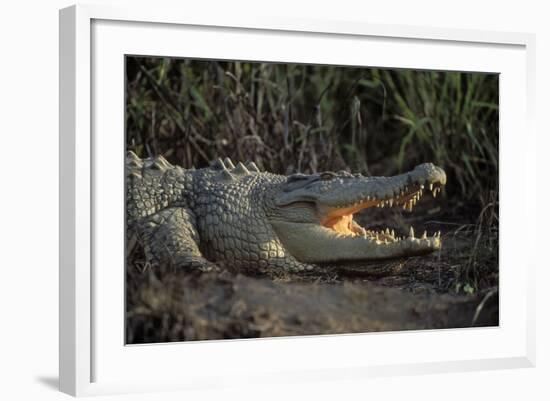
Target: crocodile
238 216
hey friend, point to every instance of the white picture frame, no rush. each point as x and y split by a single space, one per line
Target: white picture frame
93 355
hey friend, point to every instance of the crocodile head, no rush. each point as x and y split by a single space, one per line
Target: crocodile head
313 214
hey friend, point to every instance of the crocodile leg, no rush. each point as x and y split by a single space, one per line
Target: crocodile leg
171 235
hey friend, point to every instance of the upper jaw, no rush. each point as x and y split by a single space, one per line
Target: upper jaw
311 243
403 190
337 200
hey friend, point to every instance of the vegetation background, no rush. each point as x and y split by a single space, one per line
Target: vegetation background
293 117
308 118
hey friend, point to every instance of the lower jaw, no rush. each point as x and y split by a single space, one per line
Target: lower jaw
311 243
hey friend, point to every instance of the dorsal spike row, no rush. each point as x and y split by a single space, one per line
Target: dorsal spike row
229 163
135 175
252 167
226 175
164 161
160 163
156 163
132 156
241 169
218 164
134 164
133 160
231 172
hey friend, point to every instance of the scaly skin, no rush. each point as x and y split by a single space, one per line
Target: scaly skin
252 220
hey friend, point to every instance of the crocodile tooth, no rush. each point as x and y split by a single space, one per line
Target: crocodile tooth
390 202
431 186
393 233
411 233
434 193
425 235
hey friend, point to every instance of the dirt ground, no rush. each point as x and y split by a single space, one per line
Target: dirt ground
455 287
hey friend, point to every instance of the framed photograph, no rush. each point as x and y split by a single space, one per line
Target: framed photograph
277 200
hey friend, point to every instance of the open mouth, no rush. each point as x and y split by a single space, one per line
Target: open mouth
315 218
340 218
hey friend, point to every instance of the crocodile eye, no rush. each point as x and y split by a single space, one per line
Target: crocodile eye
296 181
327 176
297 177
